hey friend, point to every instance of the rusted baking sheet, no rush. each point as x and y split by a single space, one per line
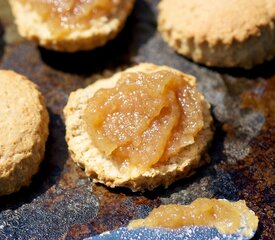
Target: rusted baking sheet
62 203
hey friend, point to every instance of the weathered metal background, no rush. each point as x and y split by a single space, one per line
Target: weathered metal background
61 203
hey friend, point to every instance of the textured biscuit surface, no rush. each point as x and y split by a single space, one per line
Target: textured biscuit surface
102 169
31 26
23 131
235 33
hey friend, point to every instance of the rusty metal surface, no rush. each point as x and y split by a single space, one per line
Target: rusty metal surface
186 233
62 203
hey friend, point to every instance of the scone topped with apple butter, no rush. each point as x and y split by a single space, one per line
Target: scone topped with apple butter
70 25
141 128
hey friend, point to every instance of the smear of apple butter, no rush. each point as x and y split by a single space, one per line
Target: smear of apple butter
227 217
145 119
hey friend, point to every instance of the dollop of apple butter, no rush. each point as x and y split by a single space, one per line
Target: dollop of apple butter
145 119
227 217
62 15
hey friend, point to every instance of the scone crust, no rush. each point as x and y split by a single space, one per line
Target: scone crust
102 170
24 131
31 26
220 33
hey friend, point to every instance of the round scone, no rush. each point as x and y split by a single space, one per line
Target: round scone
235 33
23 131
144 127
70 26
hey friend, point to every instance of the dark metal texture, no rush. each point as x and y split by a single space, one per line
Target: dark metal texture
186 233
61 203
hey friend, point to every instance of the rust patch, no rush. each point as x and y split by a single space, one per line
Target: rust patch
118 207
254 175
262 98
71 175
78 232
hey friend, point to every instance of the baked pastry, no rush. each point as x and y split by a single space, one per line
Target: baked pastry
71 25
143 127
23 131
235 33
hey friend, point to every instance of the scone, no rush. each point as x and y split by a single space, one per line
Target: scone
143 127
70 26
23 131
235 33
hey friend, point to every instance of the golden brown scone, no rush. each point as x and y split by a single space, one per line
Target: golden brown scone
23 131
235 33
101 167
35 27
